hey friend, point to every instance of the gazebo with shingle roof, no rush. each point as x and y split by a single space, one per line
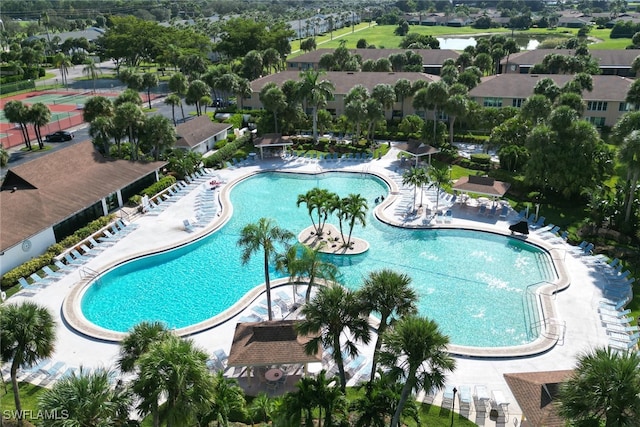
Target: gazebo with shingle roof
270 140
268 343
417 149
536 393
481 185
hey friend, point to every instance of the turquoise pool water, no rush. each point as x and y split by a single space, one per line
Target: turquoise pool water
473 283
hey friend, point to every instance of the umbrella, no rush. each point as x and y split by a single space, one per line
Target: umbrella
521 227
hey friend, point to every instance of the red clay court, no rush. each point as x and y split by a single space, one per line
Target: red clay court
66 112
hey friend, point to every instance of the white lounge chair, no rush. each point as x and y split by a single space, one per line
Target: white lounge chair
500 403
464 395
481 398
187 226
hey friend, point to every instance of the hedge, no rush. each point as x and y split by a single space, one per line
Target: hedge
162 184
17 86
481 158
36 264
225 153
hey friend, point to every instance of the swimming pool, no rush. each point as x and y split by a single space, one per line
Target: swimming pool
473 283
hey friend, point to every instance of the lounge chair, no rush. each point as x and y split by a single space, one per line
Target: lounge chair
482 209
615 306
614 313
624 337
622 329
61 266
35 371
464 395
481 398
51 273
492 211
504 211
500 403
448 396
77 255
624 346
52 373
24 284
73 261
448 216
187 226
36 278
539 223
87 251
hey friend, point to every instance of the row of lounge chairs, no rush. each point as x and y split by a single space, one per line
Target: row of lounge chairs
158 203
336 157
46 372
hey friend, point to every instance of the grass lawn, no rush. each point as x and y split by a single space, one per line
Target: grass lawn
29 395
607 42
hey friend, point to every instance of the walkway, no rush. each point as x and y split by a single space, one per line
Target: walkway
575 307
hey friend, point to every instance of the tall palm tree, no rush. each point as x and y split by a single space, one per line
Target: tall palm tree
438 94
173 100
178 84
130 118
353 209
62 62
149 81
629 154
416 177
17 112
243 90
87 399
316 93
604 389
27 335
415 350
389 294
333 312
92 71
456 106
39 115
439 178
265 235
175 369
403 90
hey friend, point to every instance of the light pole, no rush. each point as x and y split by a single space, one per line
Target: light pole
453 404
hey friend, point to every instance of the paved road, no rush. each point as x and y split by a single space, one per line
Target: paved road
81 132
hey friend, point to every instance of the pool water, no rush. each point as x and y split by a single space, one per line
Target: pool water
474 284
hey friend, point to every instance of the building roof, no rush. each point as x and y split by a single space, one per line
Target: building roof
605 58
344 81
429 56
272 140
605 88
90 34
269 343
481 185
535 393
54 187
417 149
195 131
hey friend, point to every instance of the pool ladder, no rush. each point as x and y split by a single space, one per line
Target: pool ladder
88 274
532 306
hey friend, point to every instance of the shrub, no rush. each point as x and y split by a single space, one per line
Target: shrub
225 153
35 264
481 158
157 187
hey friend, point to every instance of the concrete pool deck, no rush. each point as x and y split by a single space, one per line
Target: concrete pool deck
575 308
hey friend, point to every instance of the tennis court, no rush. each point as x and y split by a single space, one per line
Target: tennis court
55 116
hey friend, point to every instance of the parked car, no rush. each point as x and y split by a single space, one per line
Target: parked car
59 136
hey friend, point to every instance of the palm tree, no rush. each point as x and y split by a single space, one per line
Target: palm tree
456 106
261 408
197 89
379 403
439 177
274 100
316 93
629 154
92 71
416 177
228 398
173 100
329 398
149 81
415 350
304 262
243 90
353 209
176 370
389 294
264 234
604 389
178 84
100 130
17 112
332 312
403 90
63 62
138 341
27 334
160 134
39 115
438 94
322 202
86 399
130 118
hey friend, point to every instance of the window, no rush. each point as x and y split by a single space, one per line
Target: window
493 102
626 106
517 102
597 106
596 121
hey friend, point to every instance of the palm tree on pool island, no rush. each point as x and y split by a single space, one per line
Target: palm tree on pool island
265 235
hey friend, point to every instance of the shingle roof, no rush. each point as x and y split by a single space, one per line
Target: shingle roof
605 58
535 393
481 185
605 88
429 56
58 185
195 131
269 343
344 81
272 140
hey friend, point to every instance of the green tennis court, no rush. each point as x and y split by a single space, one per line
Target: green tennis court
47 98
55 116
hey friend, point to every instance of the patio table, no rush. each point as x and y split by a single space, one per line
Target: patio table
274 374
